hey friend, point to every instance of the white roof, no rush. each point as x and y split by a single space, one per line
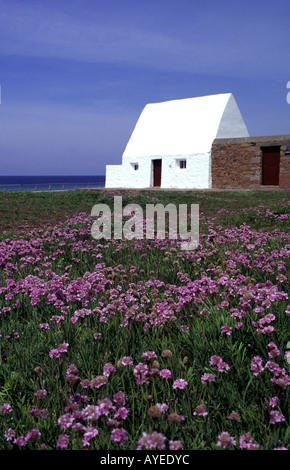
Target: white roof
186 126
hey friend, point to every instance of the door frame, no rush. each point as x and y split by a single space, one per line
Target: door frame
155 170
265 150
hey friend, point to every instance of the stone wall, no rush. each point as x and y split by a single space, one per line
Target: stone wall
237 163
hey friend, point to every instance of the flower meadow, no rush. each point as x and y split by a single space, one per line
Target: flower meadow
139 345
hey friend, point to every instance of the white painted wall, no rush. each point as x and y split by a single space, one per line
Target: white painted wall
173 130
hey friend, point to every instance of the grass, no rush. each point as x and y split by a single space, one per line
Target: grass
109 299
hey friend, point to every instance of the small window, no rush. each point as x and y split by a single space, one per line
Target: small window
135 166
182 164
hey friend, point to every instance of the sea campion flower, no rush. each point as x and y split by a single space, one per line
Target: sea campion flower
256 365
6 408
120 398
40 394
165 374
32 435
58 352
175 418
105 406
149 356
207 378
154 440
200 410
91 413
175 445
204 312
20 441
141 371
99 381
119 435
282 382
121 413
221 365
227 330
157 410
246 442
62 441
179 383
274 351
234 416
108 370
274 402
65 421
89 434
225 440
9 434
126 361
276 417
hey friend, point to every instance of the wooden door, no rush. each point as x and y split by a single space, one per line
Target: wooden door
157 165
271 166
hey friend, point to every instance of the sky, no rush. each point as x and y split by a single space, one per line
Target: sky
75 75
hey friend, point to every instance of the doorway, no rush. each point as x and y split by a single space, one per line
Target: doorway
271 166
157 166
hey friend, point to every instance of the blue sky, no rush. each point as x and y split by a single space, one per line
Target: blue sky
75 75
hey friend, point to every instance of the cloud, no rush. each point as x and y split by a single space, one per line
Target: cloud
229 39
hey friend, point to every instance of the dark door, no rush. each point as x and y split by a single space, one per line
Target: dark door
157 172
271 165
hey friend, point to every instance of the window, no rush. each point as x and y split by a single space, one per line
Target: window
135 166
182 164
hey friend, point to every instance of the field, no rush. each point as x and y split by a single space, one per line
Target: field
137 344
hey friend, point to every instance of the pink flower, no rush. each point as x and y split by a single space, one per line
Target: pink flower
121 413
154 440
89 434
227 330
20 441
165 373
40 394
5 408
175 445
9 434
204 312
62 441
32 435
108 370
149 356
246 442
276 417
179 383
274 352
200 410
119 435
120 398
221 365
234 416
99 381
65 421
274 402
126 361
207 378
225 440
256 365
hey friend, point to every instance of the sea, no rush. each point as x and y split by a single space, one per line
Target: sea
51 183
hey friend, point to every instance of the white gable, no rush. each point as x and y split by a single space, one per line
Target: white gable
186 126
180 133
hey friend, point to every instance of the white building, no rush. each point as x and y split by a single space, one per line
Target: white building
170 146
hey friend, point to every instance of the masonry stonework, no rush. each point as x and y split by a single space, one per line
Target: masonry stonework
238 163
